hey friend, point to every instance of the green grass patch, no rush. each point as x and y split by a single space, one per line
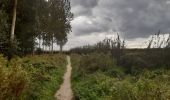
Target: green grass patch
113 83
32 77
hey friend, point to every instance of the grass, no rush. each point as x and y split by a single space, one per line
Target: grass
114 83
32 77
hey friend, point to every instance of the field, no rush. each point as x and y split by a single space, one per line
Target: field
96 76
137 75
31 77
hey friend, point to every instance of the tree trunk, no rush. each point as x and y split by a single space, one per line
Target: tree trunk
61 48
13 21
11 50
39 40
43 45
52 47
49 48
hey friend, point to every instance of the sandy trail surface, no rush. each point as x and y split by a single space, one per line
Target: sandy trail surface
65 91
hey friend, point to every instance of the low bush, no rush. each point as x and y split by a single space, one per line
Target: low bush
115 83
13 81
32 77
94 62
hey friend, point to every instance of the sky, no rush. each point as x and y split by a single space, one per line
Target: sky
134 20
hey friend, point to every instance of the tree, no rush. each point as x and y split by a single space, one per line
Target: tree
34 20
5 23
13 20
4 32
64 16
26 30
61 40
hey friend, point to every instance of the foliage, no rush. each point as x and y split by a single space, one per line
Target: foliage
115 46
95 62
14 81
4 35
115 83
36 20
32 77
153 58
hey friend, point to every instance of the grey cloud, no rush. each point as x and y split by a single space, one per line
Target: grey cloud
85 3
133 18
147 17
83 7
87 28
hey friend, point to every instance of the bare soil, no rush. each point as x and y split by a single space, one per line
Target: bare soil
65 91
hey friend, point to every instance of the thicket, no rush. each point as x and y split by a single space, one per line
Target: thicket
146 59
31 77
97 77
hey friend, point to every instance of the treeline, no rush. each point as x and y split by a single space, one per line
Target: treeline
158 41
39 24
156 53
114 46
106 45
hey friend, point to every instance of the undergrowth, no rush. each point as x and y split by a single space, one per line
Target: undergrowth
32 77
114 83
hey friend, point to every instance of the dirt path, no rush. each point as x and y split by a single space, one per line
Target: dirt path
65 91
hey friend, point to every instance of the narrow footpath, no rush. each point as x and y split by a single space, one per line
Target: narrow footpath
65 91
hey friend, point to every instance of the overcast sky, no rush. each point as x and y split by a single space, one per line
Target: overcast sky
134 20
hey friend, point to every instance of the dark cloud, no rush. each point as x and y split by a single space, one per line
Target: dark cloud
85 25
141 18
133 18
84 7
85 3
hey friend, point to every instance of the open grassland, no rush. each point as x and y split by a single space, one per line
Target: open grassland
96 76
32 77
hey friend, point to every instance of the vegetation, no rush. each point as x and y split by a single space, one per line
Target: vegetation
31 77
104 71
96 77
29 24
29 27
109 71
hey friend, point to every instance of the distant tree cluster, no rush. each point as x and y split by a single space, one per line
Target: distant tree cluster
106 45
158 47
114 46
39 23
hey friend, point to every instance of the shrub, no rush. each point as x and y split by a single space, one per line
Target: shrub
31 78
14 82
94 62
133 63
97 86
115 83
